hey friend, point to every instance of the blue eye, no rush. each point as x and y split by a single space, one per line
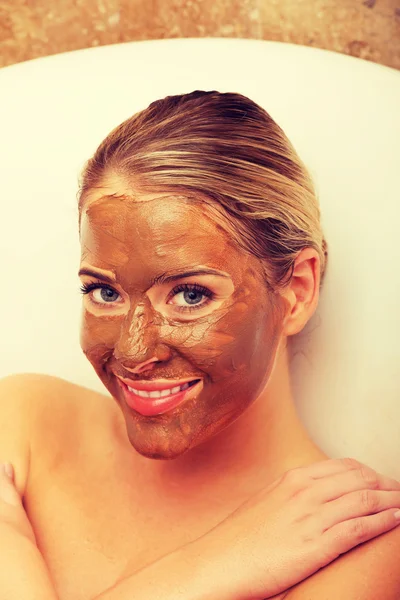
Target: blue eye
191 294
107 294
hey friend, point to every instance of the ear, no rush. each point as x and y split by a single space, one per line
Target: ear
302 292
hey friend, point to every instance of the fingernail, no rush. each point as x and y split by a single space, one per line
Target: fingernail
8 470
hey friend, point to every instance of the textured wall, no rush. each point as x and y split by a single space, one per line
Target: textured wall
369 29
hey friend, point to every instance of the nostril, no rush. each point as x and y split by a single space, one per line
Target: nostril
144 366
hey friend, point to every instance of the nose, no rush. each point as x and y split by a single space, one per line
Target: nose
147 365
139 346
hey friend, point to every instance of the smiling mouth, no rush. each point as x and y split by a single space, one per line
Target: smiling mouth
163 393
157 402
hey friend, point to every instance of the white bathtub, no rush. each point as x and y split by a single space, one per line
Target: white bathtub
343 116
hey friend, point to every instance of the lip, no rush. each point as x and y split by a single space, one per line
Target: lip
150 407
156 385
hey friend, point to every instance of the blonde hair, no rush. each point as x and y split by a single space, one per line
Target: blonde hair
226 150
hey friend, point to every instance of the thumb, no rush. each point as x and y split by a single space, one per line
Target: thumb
8 491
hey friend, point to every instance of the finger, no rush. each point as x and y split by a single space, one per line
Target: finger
330 466
319 470
358 504
345 536
365 478
8 492
334 466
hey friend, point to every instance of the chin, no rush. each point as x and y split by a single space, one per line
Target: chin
165 446
158 456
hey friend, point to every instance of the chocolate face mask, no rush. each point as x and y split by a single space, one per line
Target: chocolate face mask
145 319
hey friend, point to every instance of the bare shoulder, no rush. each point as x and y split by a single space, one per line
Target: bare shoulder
17 405
36 409
369 571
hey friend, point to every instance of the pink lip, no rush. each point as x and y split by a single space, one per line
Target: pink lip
149 407
154 386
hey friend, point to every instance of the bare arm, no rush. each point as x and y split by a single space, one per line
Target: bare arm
280 537
23 573
231 561
370 571
316 542
24 576
200 571
189 573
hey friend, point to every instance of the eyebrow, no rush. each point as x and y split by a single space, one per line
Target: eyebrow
97 274
164 278
168 278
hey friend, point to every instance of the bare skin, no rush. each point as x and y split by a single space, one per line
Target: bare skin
110 491
109 517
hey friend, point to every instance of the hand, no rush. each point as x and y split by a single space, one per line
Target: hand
12 513
302 522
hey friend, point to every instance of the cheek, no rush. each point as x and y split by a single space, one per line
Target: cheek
98 336
231 342
239 349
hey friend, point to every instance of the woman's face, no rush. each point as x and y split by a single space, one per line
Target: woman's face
222 327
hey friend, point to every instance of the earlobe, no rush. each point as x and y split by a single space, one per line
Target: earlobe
288 320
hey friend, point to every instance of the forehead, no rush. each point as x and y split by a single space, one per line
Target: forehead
163 216
155 231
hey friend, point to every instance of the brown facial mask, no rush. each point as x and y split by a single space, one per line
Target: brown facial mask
225 331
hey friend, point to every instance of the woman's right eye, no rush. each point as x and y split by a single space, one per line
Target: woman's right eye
105 294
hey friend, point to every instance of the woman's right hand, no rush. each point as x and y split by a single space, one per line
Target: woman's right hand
300 523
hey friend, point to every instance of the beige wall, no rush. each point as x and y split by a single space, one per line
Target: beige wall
369 29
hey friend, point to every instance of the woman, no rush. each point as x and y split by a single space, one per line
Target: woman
202 253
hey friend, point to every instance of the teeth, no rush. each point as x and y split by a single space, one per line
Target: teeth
161 393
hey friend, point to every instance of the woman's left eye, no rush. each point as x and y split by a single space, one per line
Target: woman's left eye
106 294
191 295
